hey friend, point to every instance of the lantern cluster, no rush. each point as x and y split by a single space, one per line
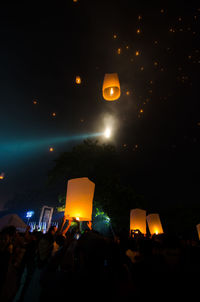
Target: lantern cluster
138 223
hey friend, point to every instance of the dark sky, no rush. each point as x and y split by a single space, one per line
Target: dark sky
156 120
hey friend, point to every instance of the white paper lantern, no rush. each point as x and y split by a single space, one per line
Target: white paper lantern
154 224
79 199
138 220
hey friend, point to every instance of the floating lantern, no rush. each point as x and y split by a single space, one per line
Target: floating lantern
138 220
154 224
111 87
51 149
2 175
198 230
78 80
79 199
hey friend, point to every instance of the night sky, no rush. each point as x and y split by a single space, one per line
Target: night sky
155 50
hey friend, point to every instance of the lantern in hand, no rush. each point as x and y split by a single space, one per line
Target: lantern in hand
79 199
111 87
138 221
154 224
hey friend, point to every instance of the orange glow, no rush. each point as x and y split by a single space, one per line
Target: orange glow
111 87
198 230
138 220
119 51
154 224
141 110
79 199
115 36
53 114
138 31
139 17
51 149
2 176
137 53
127 92
35 102
78 80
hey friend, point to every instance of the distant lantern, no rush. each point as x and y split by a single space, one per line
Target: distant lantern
138 221
2 176
154 224
119 51
111 87
51 149
137 53
198 230
79 199
78 80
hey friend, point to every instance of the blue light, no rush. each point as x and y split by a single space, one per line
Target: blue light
29 214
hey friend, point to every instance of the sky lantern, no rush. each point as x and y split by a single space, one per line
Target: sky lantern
198 230
138 220
154 224
111 87
78 80
79 199
51 149
2 176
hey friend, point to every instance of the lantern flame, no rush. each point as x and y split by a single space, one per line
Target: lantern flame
107 132
111 91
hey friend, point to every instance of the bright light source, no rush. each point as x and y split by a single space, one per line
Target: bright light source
107 133
77 218
111 91
29 214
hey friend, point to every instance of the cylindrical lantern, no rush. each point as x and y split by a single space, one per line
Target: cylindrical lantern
154 224
79 199
198 230
111 87
138 220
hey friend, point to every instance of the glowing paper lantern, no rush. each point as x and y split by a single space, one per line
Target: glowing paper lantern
111 87
78 80
79 199
154 224
2 175
138 220
198 230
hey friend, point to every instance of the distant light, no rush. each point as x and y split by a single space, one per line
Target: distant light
2 175
138 31
51 149
78 80
107 132
137 53
53 114
119 51
29 214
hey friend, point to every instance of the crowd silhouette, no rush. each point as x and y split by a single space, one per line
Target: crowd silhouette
63 264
